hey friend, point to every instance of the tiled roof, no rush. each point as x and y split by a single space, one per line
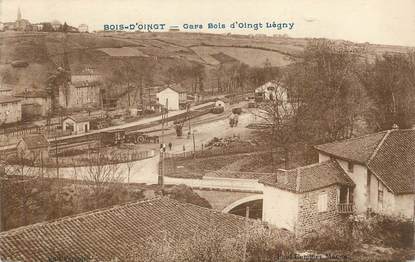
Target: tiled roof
111 233
309 178
358 149
175 87
33 94
35 141
79 84
80 118
390 155
394 161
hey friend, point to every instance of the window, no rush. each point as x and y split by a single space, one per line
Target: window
350 167
322 202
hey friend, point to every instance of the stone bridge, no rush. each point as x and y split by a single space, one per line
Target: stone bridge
230 195
228 201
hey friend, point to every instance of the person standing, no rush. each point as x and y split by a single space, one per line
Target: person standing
170 145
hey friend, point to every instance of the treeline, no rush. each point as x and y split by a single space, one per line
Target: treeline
336 93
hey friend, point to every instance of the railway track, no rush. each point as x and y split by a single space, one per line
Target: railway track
95 135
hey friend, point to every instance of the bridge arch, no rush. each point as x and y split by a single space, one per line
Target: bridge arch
242 201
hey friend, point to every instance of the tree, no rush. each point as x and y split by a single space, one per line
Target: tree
65 27
390 83
282 117
102 173
329 89
22 187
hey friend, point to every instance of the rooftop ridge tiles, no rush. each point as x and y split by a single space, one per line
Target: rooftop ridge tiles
378 146
350 139
77 216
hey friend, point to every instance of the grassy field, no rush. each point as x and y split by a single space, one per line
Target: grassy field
44 52
250 56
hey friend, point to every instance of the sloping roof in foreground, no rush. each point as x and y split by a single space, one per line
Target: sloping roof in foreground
309 178
390 155
111 233
35 141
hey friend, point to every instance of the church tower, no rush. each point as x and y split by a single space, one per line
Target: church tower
19 14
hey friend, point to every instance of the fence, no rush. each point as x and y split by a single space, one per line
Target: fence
215 151
92 160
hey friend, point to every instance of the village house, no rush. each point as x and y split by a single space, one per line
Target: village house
132 225
84 90
382 165
10 110
270 91
33 147
88 74
174 96
76 124
37 27
372 173
35 103
83 28
5 90
299 199
80 94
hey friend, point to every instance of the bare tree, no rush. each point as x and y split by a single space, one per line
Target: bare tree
103 174
281 115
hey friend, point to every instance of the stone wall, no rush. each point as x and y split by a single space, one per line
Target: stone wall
309 217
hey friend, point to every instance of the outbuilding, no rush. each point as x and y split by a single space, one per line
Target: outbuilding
33 147
173 96
76 124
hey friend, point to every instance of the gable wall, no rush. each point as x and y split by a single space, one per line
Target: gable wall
309 217
280 207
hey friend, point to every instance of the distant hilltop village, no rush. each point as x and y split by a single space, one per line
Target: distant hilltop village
54 26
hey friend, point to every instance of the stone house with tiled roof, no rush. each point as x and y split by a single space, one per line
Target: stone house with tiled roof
382 165
109 234
300 199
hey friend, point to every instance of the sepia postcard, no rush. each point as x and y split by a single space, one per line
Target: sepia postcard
207 131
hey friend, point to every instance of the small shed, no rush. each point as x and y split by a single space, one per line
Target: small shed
76 124
34 147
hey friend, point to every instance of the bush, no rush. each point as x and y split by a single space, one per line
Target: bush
377 229
329 237
262 244
382 230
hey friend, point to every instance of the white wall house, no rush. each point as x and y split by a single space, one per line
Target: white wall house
271 90
300 199
10 110
168 96
382 167
76 125
83 28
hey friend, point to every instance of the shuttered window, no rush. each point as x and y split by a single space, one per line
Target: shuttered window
322 202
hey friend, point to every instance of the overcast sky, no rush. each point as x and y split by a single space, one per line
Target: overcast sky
374 21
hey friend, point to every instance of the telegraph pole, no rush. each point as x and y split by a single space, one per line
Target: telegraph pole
246 233
164 115
2 181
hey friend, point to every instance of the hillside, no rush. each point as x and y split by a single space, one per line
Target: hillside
45 52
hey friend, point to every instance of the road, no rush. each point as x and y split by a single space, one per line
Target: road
205 128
